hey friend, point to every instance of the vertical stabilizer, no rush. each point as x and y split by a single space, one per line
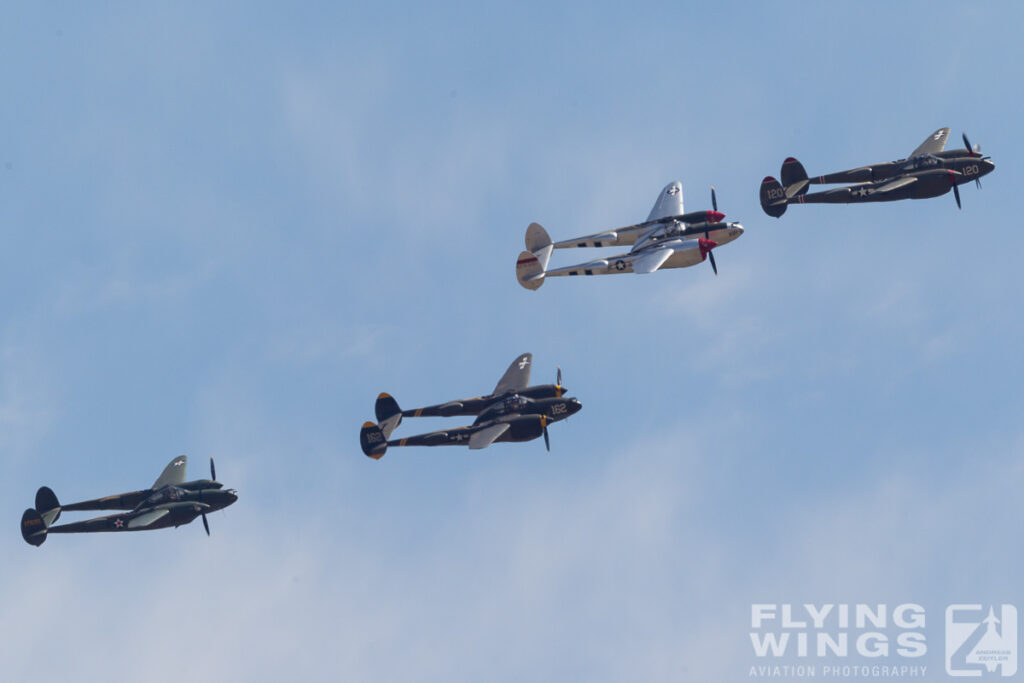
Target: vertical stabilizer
773 197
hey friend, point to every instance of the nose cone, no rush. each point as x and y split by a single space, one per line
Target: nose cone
574 406
987 166
220 499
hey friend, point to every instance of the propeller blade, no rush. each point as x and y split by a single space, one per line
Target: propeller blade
558 376
967 143
206 525
714 200
956 193
977 181
547 441
714 266
213 470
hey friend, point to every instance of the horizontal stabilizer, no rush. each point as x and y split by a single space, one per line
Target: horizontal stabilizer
485 437
538 243
648 263
796 189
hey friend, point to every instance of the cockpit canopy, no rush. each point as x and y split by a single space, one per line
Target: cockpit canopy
662 232
510 405
923 162
164 495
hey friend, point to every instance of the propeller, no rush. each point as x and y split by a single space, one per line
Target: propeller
544 424
971 151
213 476
956 193
711 256
558 376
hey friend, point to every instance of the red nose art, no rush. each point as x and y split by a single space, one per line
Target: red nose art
705 247
715 216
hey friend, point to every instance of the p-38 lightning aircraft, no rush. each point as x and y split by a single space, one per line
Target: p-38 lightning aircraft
929 171
171 501
514 411
668 238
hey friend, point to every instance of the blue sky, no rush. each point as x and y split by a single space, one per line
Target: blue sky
227 229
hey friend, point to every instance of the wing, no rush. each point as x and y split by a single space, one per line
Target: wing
488 435
173 474
933 144
651 261
896 184
669 203
517 377
147 518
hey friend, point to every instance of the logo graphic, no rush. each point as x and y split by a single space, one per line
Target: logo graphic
979 645
673 190
524 362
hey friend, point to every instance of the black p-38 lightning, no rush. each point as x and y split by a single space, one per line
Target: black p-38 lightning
171 501
514 411
930 171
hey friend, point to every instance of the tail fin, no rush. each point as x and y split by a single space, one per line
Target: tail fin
372 440
773 197
33 528
529 270
794 178
538 243
389 415
47 505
